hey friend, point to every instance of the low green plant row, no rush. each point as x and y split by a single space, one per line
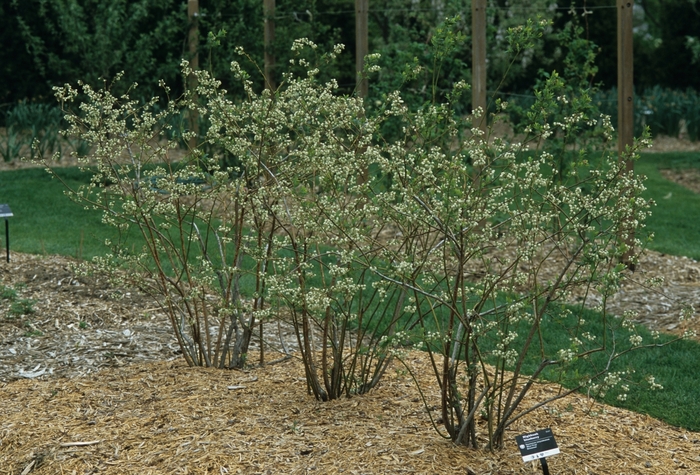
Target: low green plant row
19 308
34 130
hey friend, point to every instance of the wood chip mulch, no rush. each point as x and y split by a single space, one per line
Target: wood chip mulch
113 396
167 418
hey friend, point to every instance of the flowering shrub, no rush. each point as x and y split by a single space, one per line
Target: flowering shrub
372 244
308 148
492 238
294 203
194 220
472 252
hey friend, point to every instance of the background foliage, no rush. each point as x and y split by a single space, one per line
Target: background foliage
51 42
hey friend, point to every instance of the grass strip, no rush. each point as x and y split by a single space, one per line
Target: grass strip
46 221
674 367
675 220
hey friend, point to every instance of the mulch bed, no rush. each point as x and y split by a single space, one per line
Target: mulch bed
167 418
111 395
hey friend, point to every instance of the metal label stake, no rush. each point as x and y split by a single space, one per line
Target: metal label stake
6 212
545 467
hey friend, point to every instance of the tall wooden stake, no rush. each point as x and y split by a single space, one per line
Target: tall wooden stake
269 15
479 72
361 45
479 60
361 50
625 77
193 42
625 97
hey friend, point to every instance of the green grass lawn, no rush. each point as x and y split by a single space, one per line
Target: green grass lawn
675 220
675 367
45 221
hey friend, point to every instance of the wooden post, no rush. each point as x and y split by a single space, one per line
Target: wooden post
625 76
271 85
269 16
193 42
479 60
625 97
361 45
479 73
